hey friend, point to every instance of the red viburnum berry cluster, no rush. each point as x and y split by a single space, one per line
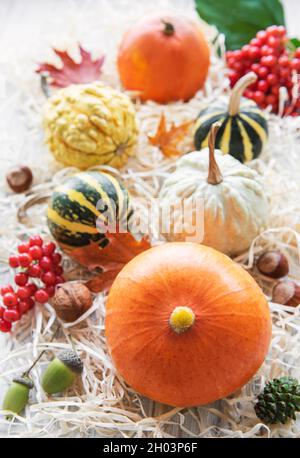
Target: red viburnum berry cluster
275 66
39 270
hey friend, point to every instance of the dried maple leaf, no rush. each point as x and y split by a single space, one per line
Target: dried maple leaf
122 247
86 71
167 139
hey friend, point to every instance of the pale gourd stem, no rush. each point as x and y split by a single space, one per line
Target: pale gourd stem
237 91
44 84
214 173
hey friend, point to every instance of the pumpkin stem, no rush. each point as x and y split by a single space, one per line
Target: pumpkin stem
214 173
169 28
237 91
181 319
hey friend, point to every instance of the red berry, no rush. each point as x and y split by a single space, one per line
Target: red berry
21 279
284 61
23 248
237 66
230 62
262 86
284 73
30 302
1 311
41 296
59 270
237 54
268 61
272 31
10 300
297 53
49 248
262 35
255 67
11 315
272 79
256 42
253 52
49 278
36 252
50 290
259 97
34 271
59 280
266 50
25 260
271 99
13 261
56 257
35 240
5 326
23 306
32 287
281 31
46 263
275 89
245 50
23 292
263 72
295 64
273 42
6 289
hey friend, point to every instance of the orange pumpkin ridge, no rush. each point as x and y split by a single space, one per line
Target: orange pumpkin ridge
222 315
166 58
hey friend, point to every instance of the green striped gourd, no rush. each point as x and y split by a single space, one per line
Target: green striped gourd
244 130
82 201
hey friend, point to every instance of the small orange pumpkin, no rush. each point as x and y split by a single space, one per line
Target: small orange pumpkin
166 58
186 325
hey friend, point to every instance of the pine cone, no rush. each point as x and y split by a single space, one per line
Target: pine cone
279 401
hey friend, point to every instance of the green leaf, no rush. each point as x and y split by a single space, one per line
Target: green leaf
292 44
239 20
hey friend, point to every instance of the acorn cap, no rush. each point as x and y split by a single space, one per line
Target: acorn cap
71 360
23 380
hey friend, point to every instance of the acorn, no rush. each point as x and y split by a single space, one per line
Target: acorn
17 396
286 292
273 264
62 372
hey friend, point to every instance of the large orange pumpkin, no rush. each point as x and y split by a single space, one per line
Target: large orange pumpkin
166 58
186 325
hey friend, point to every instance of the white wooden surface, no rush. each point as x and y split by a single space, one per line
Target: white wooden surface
22 24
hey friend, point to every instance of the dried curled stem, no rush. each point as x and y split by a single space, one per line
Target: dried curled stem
237 91
30 201
214 173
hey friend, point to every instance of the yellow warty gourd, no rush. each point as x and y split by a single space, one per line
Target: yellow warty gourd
90 124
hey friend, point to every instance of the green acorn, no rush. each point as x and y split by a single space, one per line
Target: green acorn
62 372
17 395
279 401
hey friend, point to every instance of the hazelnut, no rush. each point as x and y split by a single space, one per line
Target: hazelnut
71 300
286 292
19 178
273 264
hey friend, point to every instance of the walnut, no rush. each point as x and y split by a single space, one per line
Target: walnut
71 300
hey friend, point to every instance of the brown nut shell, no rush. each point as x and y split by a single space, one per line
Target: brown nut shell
19 178
286 292
273 264
71 300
